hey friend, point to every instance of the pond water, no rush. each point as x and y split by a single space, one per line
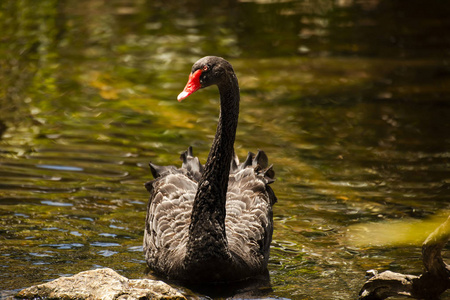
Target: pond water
349 99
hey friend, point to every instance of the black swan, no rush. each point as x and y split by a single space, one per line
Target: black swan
212 223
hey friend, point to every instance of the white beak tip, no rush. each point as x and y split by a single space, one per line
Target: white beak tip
182 96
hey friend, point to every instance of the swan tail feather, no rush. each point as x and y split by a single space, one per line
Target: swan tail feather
260 159
149 186
160 171
156 170
248 160
234 162
191 164
269 174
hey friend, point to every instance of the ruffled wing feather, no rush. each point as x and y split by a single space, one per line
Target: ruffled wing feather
248 221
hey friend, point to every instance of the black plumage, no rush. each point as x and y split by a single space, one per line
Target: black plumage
211 223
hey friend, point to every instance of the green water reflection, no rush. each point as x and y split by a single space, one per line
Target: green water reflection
348 98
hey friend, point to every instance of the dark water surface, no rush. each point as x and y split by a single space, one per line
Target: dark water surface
349 99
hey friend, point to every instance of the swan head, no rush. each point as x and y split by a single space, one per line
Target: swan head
207 71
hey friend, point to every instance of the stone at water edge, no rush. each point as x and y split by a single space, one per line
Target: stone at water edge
105 284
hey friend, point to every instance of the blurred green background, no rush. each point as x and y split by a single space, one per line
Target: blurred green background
349 99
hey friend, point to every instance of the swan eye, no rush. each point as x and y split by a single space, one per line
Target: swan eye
205 68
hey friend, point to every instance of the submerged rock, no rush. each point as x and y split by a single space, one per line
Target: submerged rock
105 284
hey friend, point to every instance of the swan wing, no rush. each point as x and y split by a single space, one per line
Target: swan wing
168 218
249 216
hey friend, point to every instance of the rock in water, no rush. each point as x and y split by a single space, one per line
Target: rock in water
105 284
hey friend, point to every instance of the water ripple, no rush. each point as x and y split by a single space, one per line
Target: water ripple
60 168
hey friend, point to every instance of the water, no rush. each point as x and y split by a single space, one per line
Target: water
349 100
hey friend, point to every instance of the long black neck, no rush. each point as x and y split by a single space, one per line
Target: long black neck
207 239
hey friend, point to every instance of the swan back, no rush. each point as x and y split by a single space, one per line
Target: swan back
248 220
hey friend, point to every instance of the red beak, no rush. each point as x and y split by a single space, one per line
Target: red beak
192 85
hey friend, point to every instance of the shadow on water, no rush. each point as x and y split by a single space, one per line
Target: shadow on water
349 99
252 288
2 128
